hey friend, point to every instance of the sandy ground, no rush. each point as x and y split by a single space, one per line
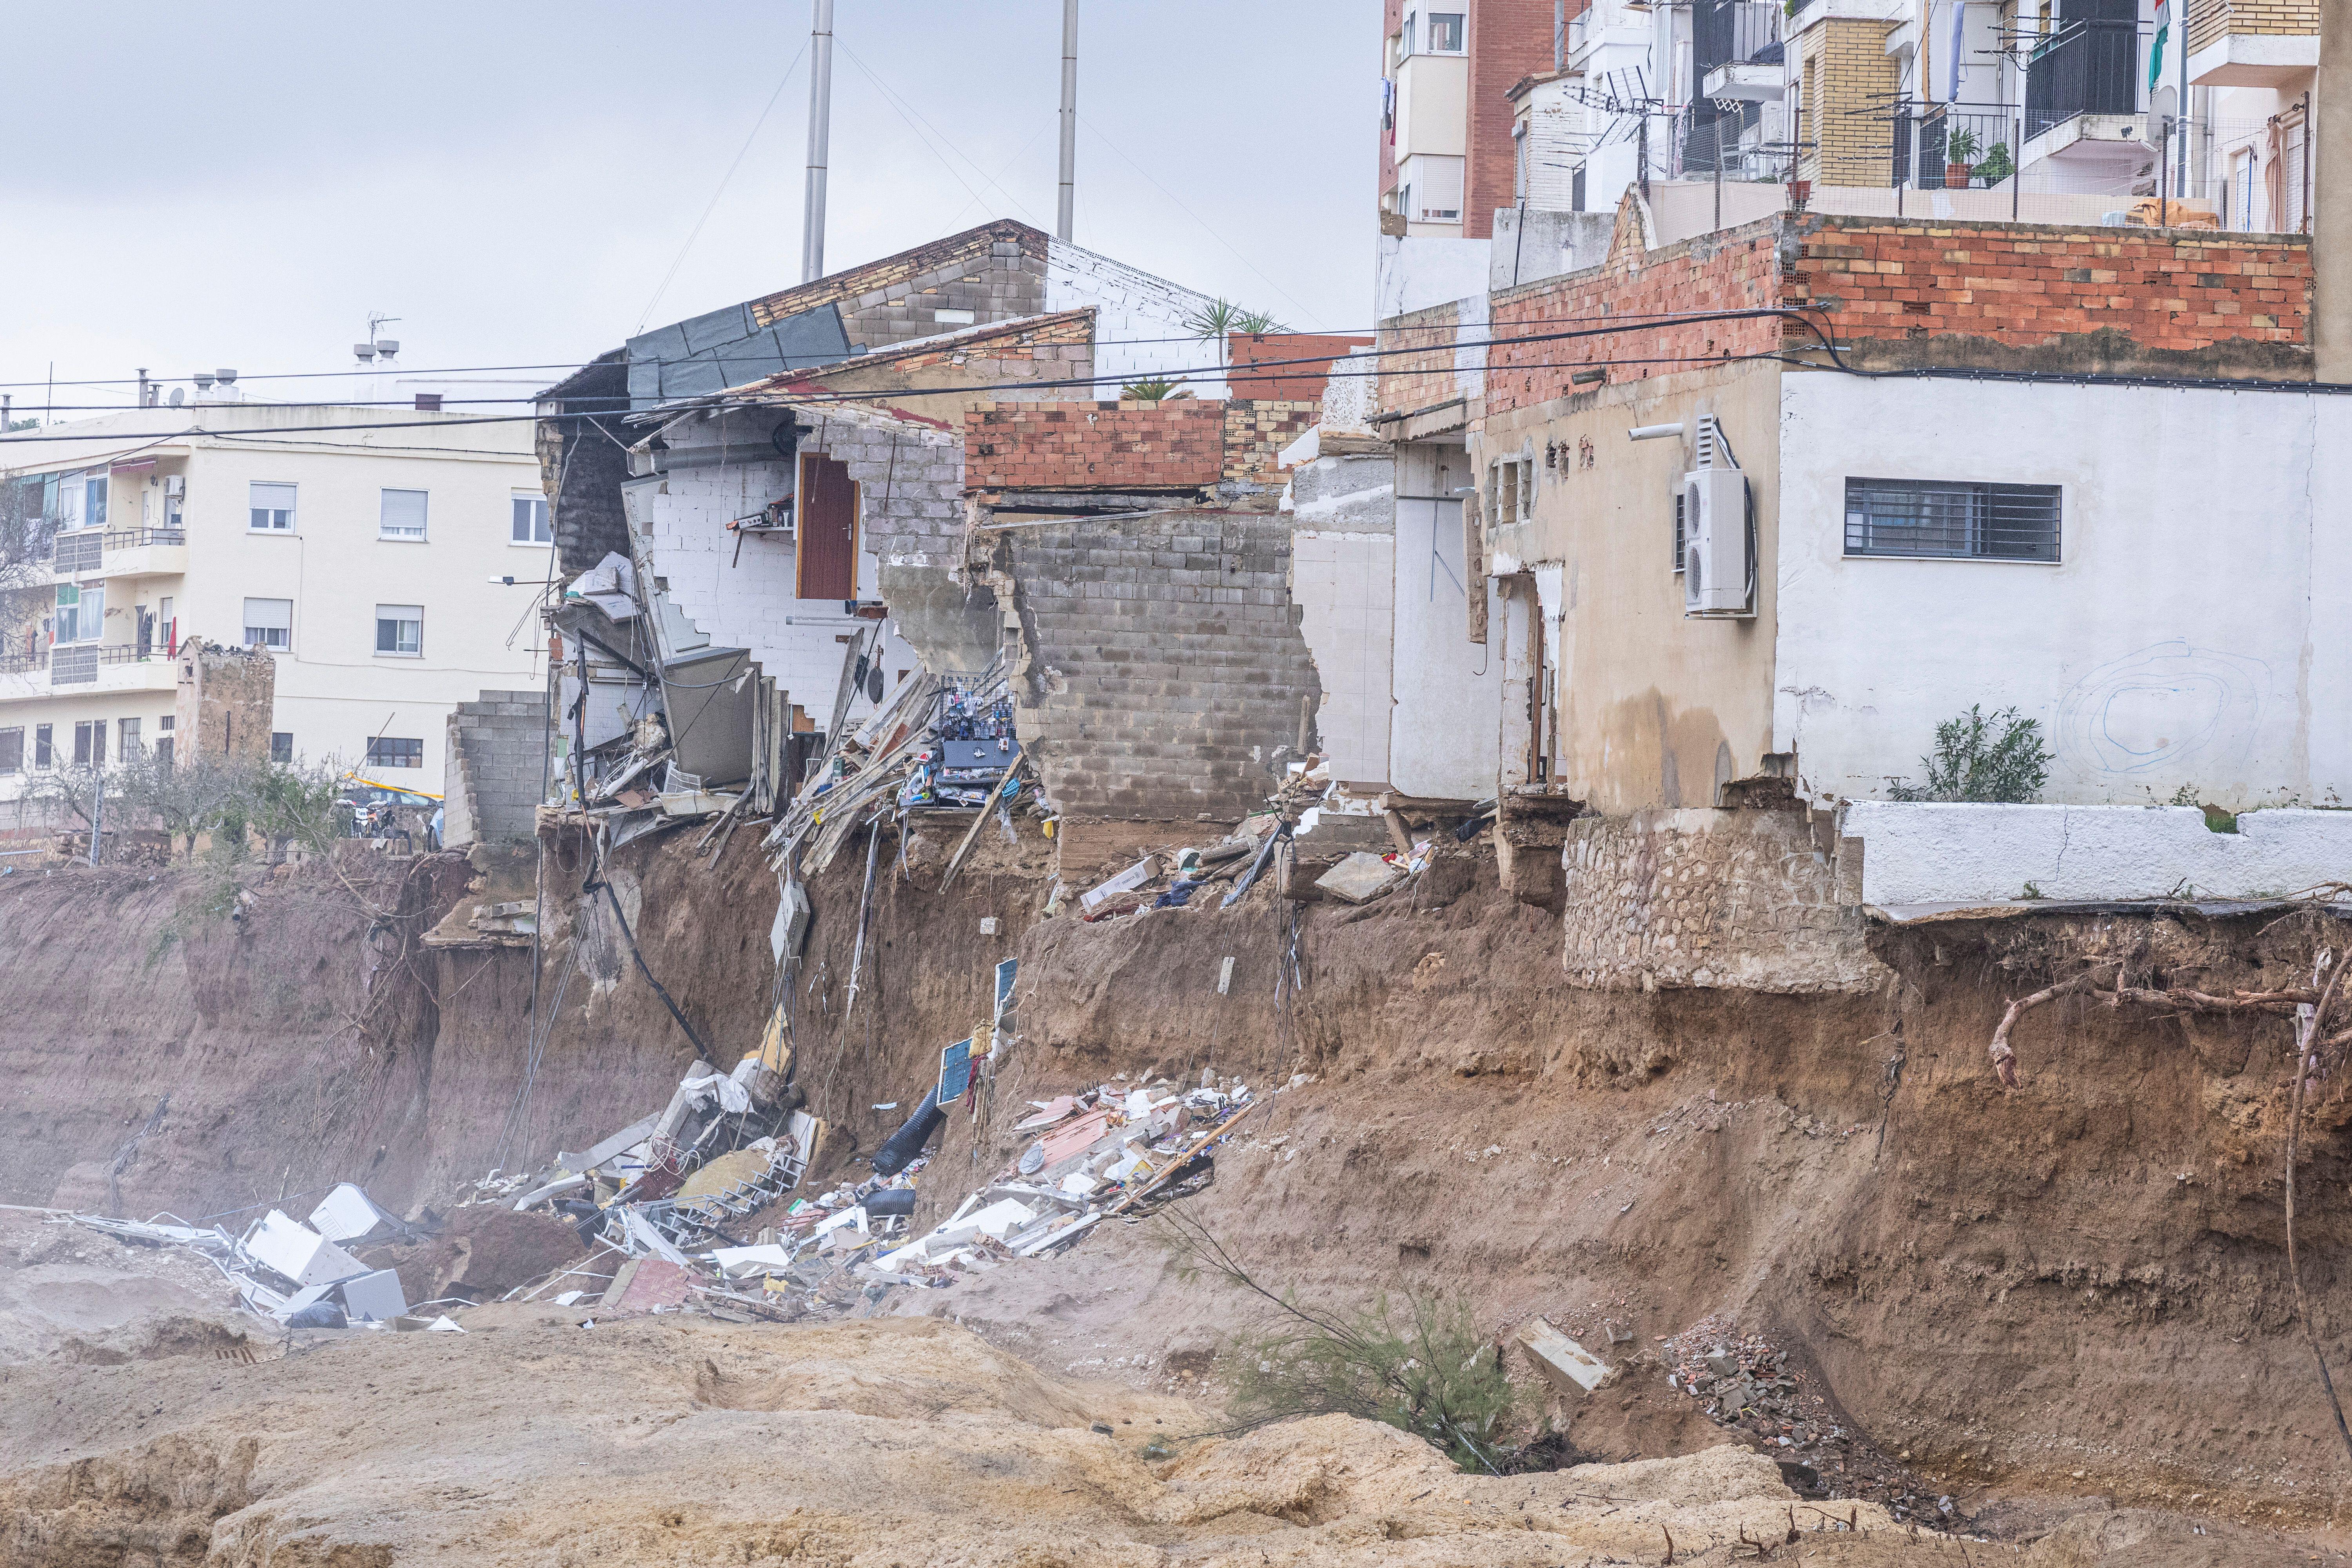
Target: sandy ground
539 1436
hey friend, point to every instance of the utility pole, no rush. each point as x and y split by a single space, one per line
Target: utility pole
819 137
1066 216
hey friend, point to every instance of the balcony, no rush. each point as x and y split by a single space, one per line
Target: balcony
1740 51
2083 68
145 552
2268 43
100 666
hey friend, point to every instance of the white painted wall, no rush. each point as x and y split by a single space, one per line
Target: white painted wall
747 598
334 690
1445 732
1343 585
1918 854
1132 307
1412 274
2184 642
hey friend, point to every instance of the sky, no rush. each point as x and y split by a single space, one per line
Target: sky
528 182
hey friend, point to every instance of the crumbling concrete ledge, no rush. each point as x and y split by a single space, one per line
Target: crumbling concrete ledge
1912 854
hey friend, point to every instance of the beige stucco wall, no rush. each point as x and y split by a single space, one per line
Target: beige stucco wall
1654 709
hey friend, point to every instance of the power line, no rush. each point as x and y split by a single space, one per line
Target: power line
712 205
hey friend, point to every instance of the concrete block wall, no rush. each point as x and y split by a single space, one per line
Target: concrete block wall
497 747
1739 898
1165 673
996 271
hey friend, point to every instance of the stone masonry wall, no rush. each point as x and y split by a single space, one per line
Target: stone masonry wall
1738 898
1164 671
496 752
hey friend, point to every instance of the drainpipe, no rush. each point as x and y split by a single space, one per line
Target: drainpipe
1065 214
2331 223
819 138
1558 36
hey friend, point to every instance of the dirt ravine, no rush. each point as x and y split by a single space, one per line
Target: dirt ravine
2067 1297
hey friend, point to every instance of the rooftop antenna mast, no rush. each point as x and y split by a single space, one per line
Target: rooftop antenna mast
819 138
1065 214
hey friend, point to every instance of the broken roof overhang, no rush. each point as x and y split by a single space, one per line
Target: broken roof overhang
725 349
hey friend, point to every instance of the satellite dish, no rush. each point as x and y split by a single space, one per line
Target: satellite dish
179 397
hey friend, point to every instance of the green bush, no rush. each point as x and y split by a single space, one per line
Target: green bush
1996 757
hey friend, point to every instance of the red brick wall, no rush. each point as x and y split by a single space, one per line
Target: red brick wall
1508 39
2021 286
2025 285
1391 18
1737 271
1178 443
1298 383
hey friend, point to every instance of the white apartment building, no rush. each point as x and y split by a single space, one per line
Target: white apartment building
391 572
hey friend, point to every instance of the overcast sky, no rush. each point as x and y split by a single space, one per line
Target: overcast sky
192 186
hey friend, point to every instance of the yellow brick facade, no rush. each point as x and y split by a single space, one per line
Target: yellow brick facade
2212 22
1850 85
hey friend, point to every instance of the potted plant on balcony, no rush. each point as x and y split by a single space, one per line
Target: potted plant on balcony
1996 166
1960 158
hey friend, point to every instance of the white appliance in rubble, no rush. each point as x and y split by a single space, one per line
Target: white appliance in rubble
1719 562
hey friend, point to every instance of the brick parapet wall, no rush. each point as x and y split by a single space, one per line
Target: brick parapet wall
1177 444
2028 284
1928 292
1164 674
1416 360
1734 899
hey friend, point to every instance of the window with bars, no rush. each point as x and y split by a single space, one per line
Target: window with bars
281 745
1960 521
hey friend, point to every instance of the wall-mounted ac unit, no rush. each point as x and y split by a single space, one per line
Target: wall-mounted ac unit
1716 564
176 484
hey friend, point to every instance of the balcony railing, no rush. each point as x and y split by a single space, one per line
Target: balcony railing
1952 146
79 664
140 538
2085 68
24 663
1735 32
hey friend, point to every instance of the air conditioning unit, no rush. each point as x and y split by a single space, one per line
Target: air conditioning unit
176 485
1716 564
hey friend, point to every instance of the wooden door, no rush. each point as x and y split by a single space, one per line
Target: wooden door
825 552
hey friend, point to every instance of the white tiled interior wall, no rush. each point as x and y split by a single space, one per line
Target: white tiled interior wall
1344 585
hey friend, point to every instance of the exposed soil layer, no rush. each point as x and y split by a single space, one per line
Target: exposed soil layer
533 1439
2075 1290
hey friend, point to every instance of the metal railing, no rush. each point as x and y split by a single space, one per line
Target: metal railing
1735 32
140 538
2085 68
24 663
1948 146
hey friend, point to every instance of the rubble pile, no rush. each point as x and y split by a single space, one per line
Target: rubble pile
299 1276
1748 1387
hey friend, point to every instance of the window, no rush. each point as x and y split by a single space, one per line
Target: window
81 612
402 516
1966 522
529 524
11 751
271 509
66 504
384 752
1511 492
45 753
90 743
269 623
129 736
1406 38
400 629
1445 32
93 513
1431 187
2240 197
281 745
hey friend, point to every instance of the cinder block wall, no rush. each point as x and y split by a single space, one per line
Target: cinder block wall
1166 673
497 746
